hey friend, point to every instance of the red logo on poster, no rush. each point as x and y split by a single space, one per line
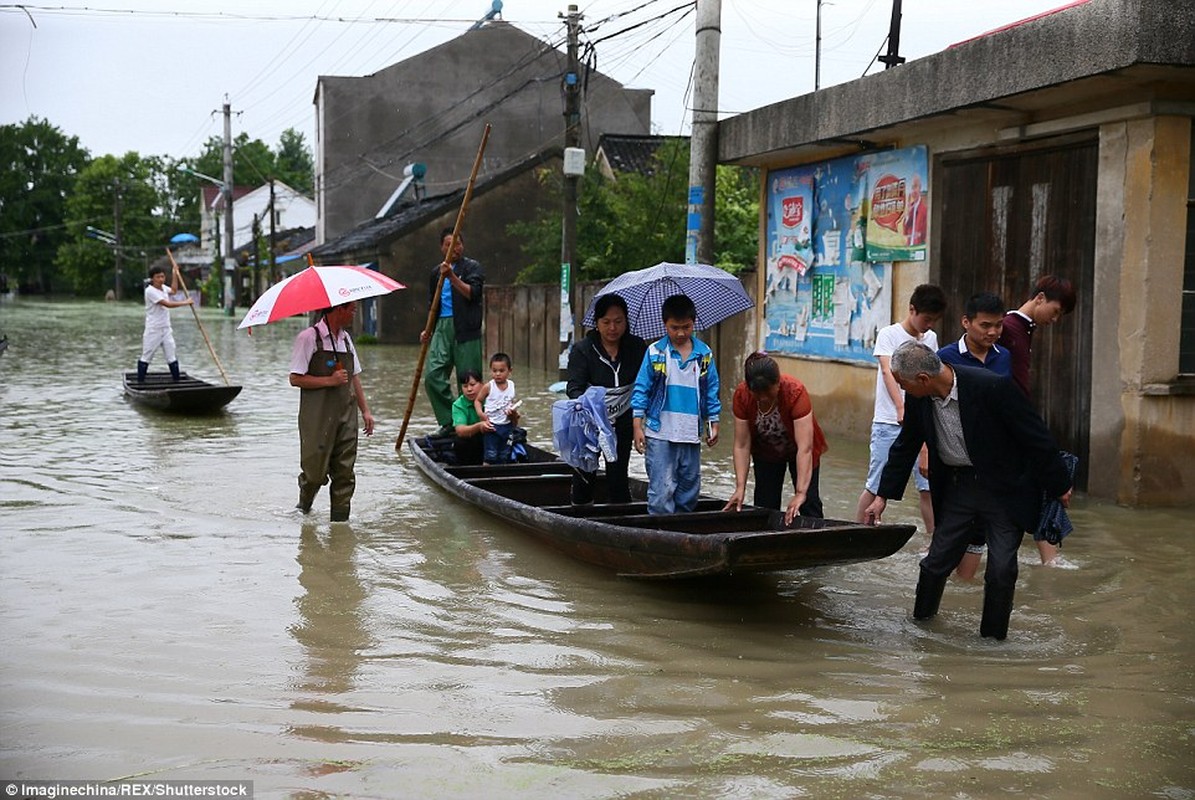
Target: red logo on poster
793 210
888 201
795 263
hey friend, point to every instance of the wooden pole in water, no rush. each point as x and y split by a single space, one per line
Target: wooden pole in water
198 322
434 311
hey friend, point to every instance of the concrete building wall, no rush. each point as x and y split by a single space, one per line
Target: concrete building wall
432 108
1122 68
1144 426
410 259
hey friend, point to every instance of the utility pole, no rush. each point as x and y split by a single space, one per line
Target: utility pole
572 172
271 276
893 57
817 50
231 287
703 141
118 289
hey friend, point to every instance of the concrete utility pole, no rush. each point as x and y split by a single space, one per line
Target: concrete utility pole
572 144
118 250
703 141
817 50
272 275
231 287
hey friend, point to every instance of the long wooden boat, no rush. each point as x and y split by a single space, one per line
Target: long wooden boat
534 495
185 396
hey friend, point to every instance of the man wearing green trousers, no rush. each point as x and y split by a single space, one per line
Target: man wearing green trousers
456 338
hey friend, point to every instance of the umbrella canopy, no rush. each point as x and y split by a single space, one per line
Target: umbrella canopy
316 288
183 238
716 293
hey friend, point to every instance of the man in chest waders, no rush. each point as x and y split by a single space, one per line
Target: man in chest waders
324 366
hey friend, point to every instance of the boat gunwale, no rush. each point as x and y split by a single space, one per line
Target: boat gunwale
703 553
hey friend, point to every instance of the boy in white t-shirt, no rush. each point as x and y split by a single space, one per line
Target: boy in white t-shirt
925 311
158 332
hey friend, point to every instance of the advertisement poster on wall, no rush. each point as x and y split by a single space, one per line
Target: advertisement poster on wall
899 205
822 296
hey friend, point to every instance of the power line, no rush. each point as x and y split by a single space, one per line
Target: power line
84 11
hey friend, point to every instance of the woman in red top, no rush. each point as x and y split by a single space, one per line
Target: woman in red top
775 429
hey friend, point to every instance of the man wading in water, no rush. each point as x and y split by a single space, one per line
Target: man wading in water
324 366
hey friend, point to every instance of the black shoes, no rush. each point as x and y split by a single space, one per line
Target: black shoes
340 514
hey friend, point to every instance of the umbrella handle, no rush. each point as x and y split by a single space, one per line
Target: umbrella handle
434 311
198 322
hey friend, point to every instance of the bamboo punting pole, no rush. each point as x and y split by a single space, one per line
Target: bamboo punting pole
434 311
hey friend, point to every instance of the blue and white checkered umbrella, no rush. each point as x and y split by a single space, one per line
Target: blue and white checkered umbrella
715 292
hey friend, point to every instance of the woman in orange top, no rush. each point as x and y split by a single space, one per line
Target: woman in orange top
775 429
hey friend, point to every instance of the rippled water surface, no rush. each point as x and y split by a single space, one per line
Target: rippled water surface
165 613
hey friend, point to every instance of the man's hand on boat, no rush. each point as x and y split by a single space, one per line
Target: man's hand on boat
872 514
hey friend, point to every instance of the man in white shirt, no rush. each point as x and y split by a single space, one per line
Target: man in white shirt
926 306
158 332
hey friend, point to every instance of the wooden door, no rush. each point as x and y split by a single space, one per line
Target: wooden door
1007 217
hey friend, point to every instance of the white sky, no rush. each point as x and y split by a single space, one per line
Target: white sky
151 75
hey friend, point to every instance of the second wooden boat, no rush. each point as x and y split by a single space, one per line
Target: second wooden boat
185 396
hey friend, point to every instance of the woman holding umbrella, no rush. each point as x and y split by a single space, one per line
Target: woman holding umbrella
608 356
325 368
774 427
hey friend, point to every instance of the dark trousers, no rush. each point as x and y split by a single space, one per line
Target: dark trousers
770 480
468 449
618 488
964 506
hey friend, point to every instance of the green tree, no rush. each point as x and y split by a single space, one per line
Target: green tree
39 165
253 164
107 188
294 163
178 194
252 160
736 213
638 220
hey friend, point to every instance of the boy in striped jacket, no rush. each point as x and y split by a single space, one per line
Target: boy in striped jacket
674 401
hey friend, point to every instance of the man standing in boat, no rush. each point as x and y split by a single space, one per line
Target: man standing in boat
456 338
158 332
325 368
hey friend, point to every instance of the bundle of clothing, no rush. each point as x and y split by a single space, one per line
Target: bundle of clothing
581 430
1054 523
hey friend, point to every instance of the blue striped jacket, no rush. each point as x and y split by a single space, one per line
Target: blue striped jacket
651 391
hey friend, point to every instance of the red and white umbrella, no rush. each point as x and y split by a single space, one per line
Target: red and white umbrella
316 288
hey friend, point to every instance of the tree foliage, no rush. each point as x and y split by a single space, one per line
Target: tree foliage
254 163
118 197
39 165
51 191
637 220
294 163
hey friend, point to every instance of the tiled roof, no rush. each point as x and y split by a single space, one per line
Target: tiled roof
367 238
633 153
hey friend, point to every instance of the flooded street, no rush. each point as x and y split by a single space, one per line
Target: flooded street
167 614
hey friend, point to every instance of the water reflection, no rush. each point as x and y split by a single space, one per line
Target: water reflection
330 627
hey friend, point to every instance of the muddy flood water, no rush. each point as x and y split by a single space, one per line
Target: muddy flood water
166 614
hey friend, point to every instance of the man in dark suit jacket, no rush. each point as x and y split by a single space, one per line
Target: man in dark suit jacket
990 458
